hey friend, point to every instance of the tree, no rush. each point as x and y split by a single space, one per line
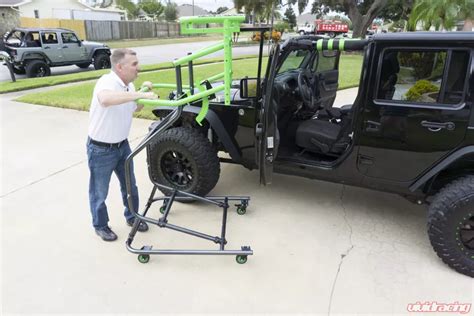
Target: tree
221 9
361 13
396 10
152 7
130 7
466 8
290 17
171 11
442 14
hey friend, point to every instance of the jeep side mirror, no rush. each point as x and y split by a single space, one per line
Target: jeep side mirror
248 88
79 43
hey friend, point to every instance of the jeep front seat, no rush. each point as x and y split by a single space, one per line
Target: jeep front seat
322 136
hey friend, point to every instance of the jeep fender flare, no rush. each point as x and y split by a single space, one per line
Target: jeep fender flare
35 55
446 162
216 124
99 50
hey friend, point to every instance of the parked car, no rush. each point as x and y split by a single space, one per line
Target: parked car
35 50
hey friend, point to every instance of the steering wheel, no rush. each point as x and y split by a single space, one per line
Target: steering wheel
307 86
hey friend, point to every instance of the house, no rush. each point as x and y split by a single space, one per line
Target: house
10 14
68 9
188 10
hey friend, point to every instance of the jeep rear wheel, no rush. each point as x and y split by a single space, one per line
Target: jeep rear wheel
37 68
83 65
451 225
101 61
182 158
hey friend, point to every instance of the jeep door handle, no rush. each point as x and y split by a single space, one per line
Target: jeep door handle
47 47
372 126
437 126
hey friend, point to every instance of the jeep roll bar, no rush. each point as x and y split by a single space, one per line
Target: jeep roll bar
186 93
340 44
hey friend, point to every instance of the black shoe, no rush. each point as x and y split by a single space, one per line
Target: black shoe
106 233
142 227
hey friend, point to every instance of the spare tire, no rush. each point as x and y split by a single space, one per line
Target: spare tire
183 158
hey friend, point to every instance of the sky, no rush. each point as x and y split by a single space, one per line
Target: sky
209 5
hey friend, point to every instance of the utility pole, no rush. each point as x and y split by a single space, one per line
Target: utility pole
193 7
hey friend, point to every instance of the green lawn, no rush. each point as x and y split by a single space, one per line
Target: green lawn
160 41
78 97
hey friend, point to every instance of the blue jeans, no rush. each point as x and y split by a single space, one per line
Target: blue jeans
102 162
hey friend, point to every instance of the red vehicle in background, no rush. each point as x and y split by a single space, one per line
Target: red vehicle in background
330 28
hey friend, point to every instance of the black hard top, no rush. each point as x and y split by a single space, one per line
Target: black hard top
38 29
425 36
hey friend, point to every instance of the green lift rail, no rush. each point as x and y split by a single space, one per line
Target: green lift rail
186 93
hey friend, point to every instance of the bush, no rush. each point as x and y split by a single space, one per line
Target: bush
421 87
276 36
422 63
281 27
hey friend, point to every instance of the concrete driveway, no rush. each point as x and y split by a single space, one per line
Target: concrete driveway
319 247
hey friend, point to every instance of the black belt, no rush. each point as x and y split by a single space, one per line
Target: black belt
101 144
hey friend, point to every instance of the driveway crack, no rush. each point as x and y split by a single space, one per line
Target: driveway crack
343 255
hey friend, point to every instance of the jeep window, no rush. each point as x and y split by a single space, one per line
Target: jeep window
293 60
14 38
423 76
31 39
324 62
69 38
49 38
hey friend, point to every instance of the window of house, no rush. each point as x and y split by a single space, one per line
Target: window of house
37 15
69 38
423 76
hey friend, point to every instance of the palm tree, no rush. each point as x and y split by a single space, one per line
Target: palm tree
442 14
466 12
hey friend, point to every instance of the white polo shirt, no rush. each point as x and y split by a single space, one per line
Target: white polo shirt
110 124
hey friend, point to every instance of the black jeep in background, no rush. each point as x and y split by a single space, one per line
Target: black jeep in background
410 130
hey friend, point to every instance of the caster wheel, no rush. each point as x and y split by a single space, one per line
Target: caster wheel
241 210
143 258
241 259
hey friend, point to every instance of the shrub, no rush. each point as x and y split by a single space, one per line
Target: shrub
421 87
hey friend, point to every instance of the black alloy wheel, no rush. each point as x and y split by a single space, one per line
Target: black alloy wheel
466 234
177 169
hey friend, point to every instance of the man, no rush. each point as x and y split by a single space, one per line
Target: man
111 110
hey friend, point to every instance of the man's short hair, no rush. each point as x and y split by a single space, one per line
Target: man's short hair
119 54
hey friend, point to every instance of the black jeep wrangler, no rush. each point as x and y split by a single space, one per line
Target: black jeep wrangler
410 130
